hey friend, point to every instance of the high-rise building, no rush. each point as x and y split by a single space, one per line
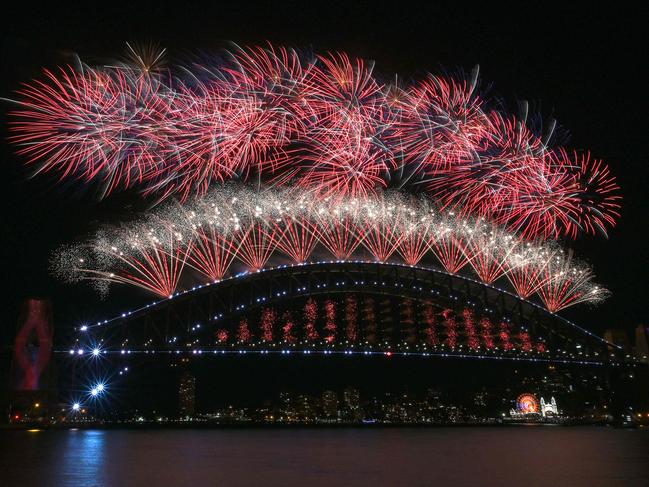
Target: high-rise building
330 405
433 396
375 410
287 407
642 343
305 407
352 402
352 398
617 337
187 394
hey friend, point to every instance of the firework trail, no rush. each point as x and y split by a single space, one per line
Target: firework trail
240 227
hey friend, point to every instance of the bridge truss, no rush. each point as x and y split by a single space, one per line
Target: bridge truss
352 308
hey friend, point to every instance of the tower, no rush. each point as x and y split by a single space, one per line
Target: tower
352 401
187 394
330 405
642 343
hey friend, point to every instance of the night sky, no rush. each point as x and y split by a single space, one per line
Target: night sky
582 67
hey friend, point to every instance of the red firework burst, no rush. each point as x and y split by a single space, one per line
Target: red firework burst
441 123
321 122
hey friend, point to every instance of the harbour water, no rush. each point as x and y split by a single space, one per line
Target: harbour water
542 455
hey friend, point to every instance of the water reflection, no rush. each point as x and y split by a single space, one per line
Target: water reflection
82 460
588 457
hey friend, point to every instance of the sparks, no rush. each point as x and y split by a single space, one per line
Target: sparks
324 123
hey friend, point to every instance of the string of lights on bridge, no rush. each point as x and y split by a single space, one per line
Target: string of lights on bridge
243 275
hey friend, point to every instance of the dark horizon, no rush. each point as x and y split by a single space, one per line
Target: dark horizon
582 68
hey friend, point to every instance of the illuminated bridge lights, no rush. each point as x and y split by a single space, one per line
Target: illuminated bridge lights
283 295
433 291
375 353
397 350
325 346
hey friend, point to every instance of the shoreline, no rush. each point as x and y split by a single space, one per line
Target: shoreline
294 426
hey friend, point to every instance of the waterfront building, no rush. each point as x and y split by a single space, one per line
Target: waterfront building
549 408
330 405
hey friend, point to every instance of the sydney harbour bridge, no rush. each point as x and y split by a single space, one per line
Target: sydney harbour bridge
355 307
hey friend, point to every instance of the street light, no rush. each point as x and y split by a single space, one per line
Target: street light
97 389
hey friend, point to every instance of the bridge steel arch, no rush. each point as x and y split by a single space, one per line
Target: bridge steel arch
187 322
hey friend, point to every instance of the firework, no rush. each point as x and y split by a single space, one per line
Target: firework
145 256
288 328
351 329
322 123
469 326
330 161
239 227
566 283
442 123
430 331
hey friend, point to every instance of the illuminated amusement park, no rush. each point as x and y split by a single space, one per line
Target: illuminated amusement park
301 210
